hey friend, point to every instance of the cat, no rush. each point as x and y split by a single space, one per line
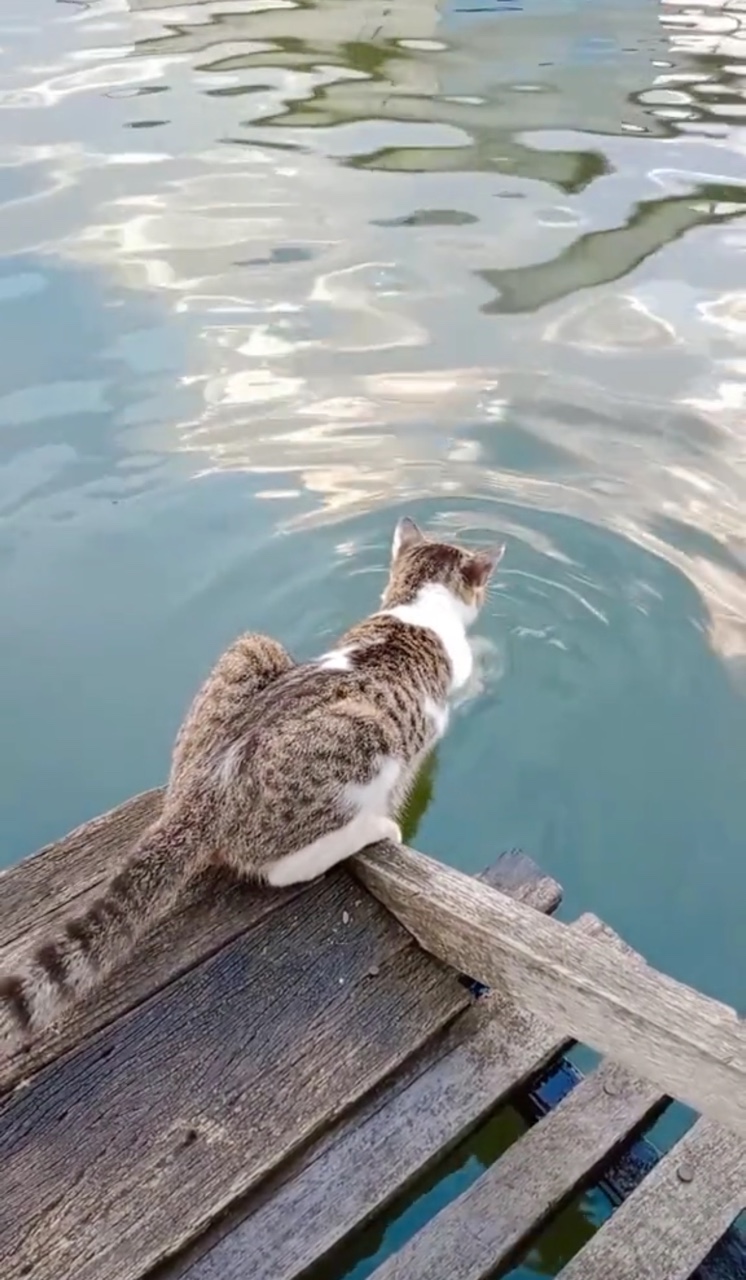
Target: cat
281 770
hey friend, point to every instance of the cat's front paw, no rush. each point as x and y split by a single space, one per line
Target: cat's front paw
390 830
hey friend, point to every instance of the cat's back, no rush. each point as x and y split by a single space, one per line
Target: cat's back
377 663
306 693
392 653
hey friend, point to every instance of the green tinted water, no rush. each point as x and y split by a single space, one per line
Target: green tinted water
272 275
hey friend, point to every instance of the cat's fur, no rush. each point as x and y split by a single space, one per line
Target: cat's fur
279 770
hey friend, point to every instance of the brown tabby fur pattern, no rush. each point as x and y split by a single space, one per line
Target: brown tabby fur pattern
280 770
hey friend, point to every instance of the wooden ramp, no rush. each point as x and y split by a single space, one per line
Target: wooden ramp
273 1069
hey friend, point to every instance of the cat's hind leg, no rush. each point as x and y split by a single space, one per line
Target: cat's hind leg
316 858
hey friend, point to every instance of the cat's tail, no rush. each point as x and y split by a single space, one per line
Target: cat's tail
63 967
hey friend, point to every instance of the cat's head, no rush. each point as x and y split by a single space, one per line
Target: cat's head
418 561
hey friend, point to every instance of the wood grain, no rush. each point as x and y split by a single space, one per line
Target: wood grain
36 890
669 1224
116 1156
517 875
62 877
480 1230
212 911
691 1047
431 1105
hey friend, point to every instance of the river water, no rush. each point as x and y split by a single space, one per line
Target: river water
273 274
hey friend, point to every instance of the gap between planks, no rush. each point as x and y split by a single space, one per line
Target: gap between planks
512 1200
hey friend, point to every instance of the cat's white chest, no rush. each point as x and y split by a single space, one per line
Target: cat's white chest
461 659
375 795
437 717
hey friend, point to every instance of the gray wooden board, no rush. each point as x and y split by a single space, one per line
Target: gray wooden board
669 1224
478 1231
34 890
429 1106
211 912
692 1047
115 1156
516 874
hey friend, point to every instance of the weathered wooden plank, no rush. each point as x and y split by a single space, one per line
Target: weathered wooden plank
34 891
213 911
210 913
429 1107
517 875
510 1201
692 1047
114 1157
668 1226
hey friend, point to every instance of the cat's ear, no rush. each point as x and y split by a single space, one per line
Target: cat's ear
406 534
479 568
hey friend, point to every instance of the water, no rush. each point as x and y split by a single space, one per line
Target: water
271 276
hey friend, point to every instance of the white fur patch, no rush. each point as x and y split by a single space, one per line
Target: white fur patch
337 660
437 715
371 805
316 858
375 796
438 609
227 763
489 667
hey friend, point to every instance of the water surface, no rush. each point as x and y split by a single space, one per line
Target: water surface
272 274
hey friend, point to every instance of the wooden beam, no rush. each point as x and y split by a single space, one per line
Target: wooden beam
692 1047
517 875
669 1225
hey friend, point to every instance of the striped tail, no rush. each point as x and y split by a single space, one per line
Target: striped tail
66 965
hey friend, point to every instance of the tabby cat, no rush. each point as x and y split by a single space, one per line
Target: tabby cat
280 770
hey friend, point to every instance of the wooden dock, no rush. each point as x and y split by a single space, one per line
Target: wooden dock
274 1068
